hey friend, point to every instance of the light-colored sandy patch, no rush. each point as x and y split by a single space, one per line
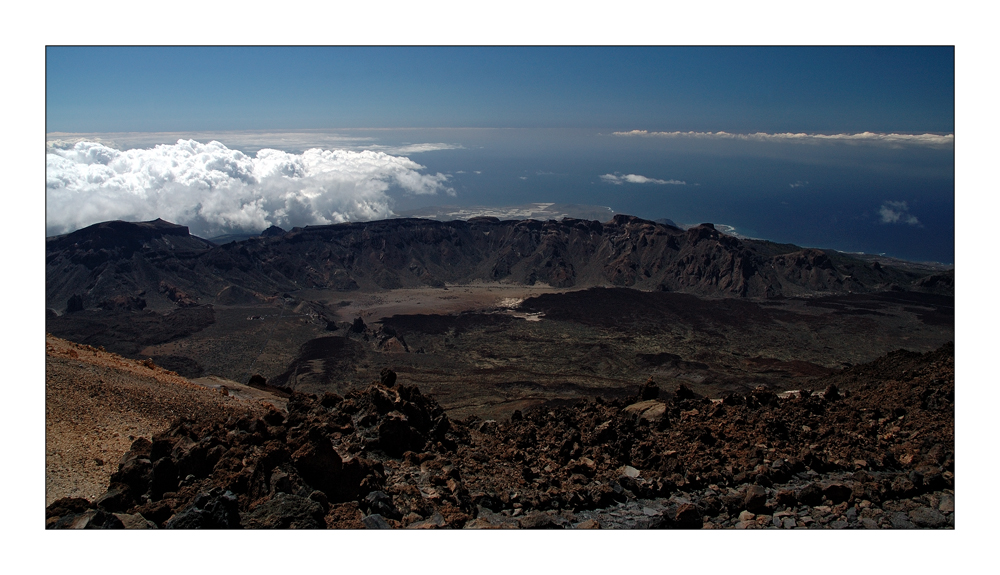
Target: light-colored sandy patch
452 299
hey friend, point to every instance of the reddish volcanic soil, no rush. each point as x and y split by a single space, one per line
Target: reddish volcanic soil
98 403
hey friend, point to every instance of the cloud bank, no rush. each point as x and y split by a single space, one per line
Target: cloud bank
247 141
213 189
637 179
897 213
895 140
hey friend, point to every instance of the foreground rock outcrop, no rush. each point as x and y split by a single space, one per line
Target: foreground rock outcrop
871 447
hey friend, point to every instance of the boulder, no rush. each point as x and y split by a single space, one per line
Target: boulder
375 521
584 466
286 511
811 494
900 520
756 498
761 396
387 377
683 392
379 503
396 436
116 498
436 521
650 410
541 520
215 509
66 506
135 521
89 519
902 487
319 465
687 516
927 517
358 326
831 393
837 492
649 390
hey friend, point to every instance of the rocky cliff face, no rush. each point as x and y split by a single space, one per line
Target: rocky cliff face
119 259
111 260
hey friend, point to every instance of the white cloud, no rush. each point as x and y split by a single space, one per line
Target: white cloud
212 189
413 148
247 141
797 184
637 179
897 213
894 140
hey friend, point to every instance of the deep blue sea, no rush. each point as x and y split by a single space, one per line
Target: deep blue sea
897 201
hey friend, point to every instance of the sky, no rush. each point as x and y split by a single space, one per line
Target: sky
850 148
733 89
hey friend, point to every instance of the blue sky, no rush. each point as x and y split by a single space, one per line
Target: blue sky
739 89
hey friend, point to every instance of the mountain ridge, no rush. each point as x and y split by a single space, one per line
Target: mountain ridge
156 260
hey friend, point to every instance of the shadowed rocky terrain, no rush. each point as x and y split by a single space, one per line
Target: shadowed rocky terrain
872 448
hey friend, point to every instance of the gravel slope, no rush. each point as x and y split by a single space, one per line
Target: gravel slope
97 403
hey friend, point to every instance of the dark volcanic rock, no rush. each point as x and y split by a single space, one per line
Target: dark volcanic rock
540 520
756 498
209 510
116 498
927 517
396 436
375 521
286 511
687 516
683 392
649 390
89 519
837 492
66 506
377 502
387 377
811 494
322 467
